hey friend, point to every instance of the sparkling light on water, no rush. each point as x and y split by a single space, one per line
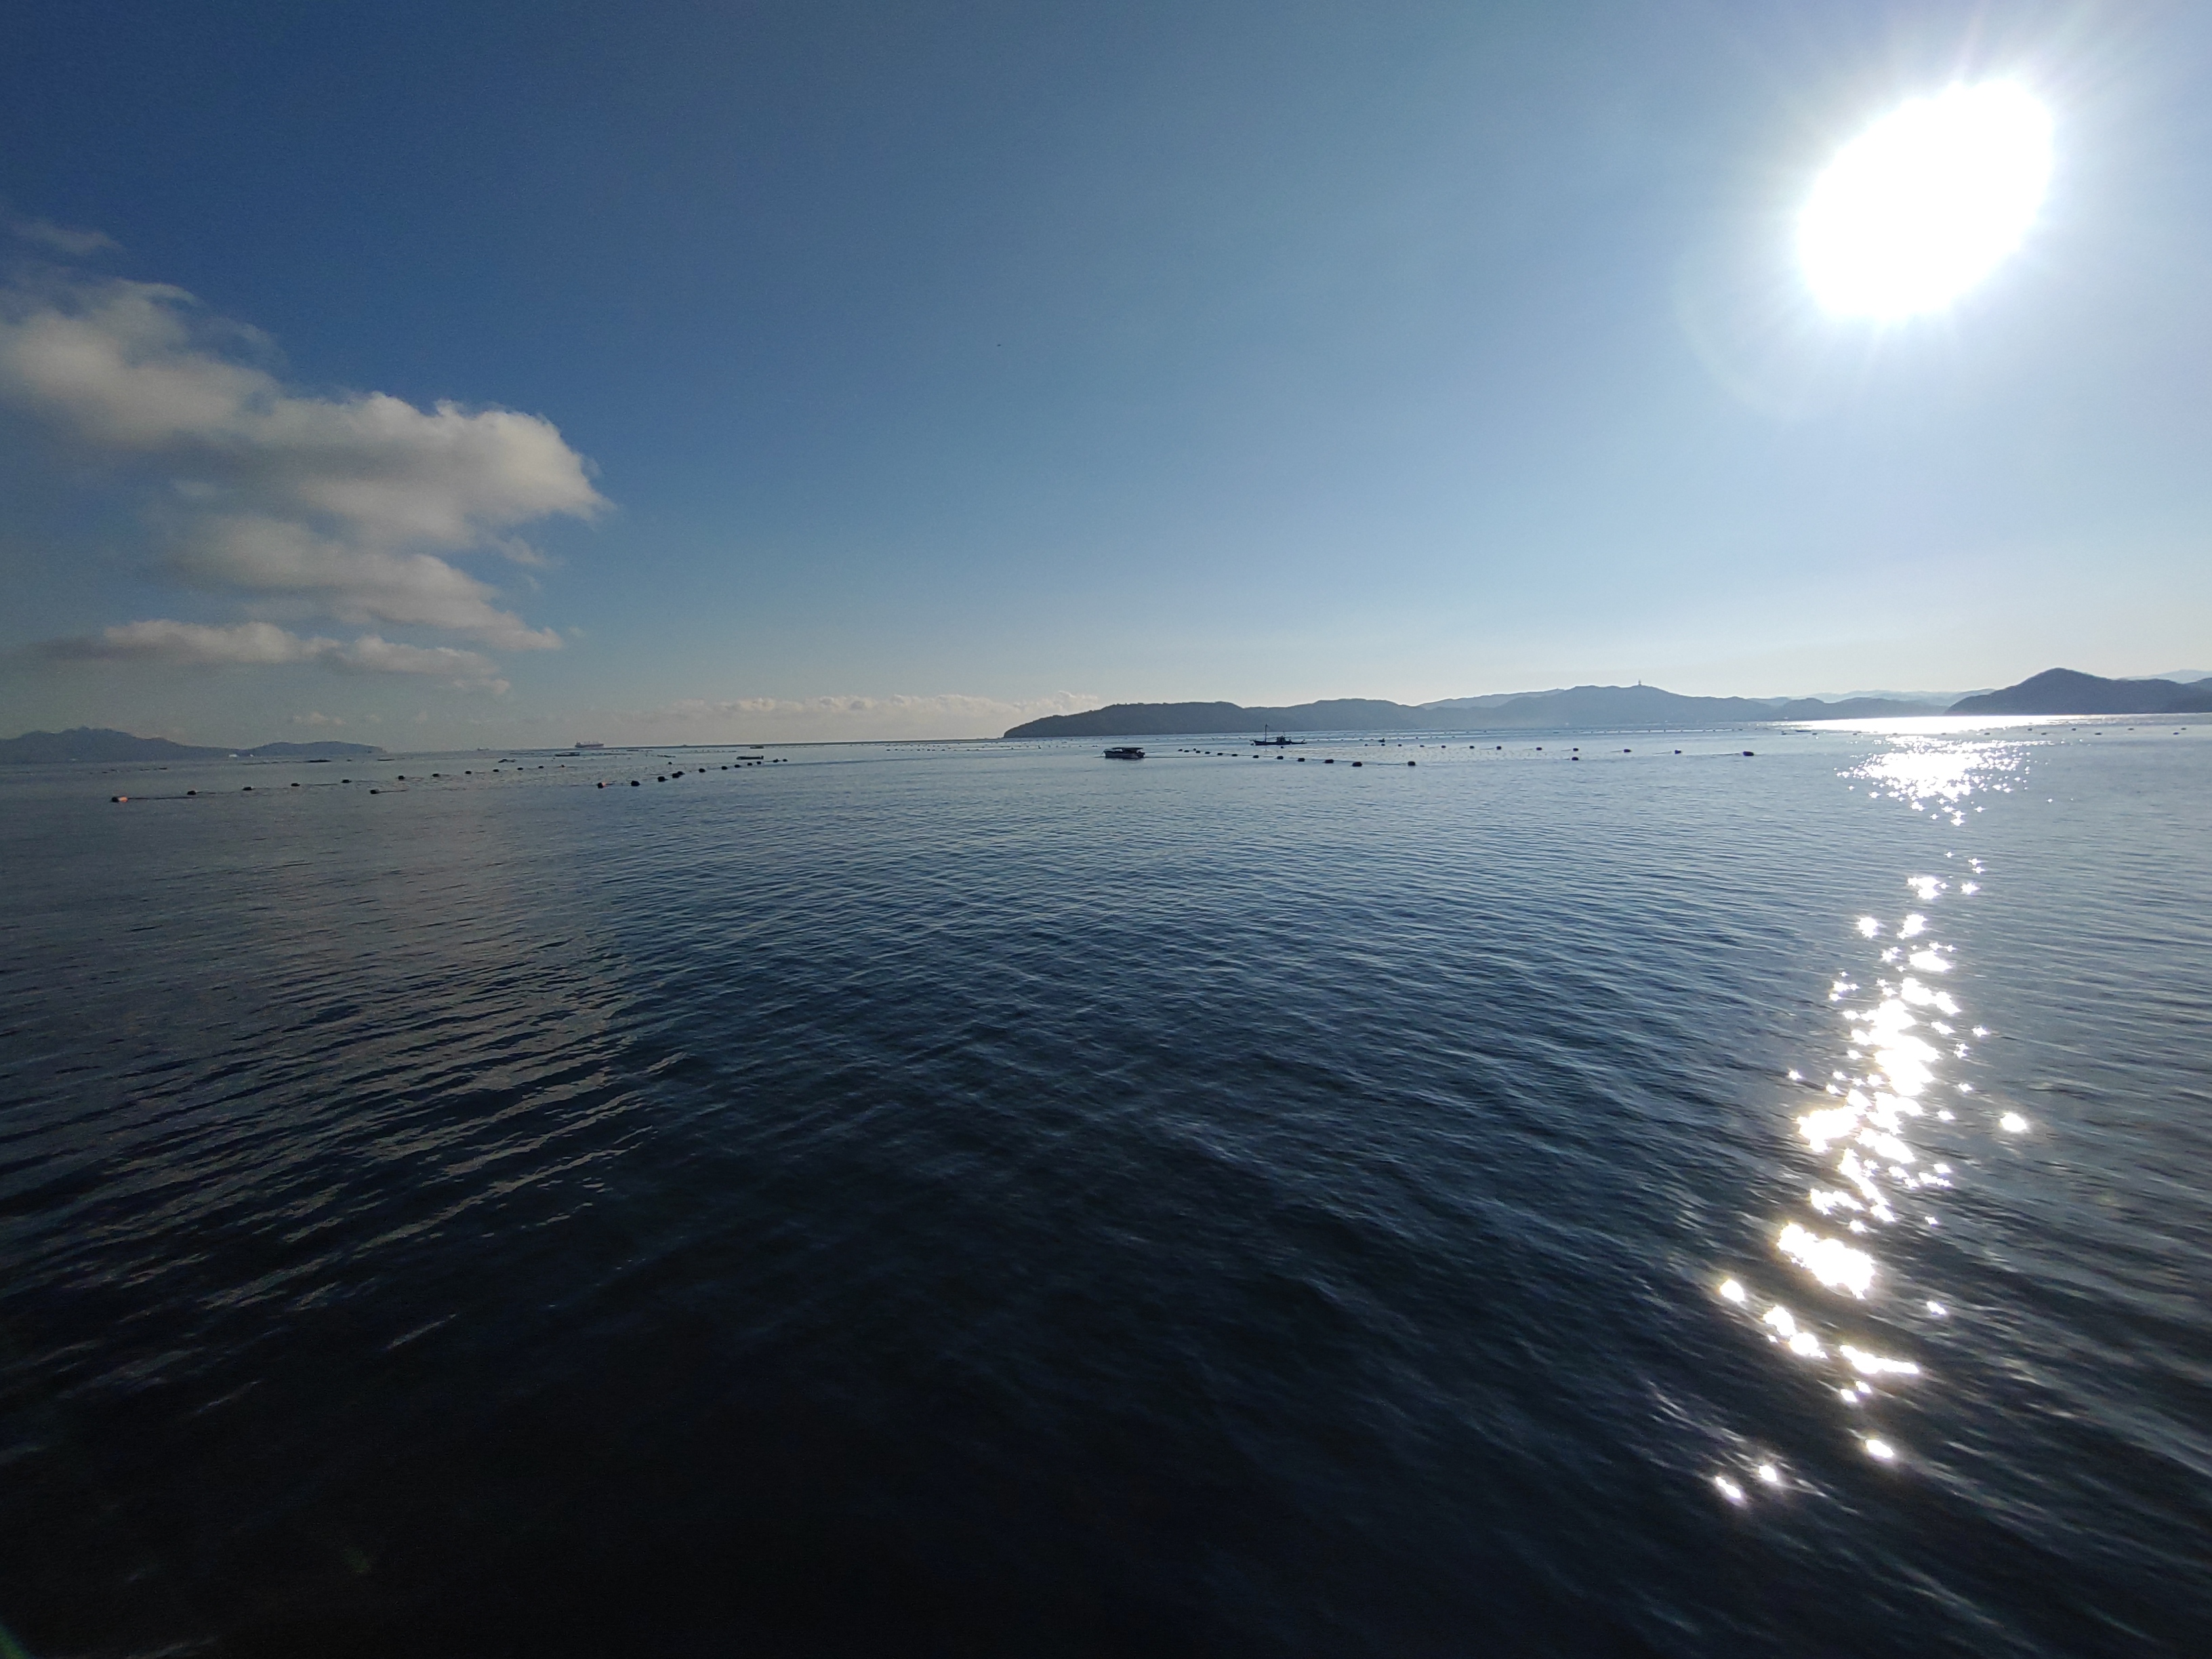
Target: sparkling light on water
1896 1044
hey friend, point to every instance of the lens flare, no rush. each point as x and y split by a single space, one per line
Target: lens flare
1926 202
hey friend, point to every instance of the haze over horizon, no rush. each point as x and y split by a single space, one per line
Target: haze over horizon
457 376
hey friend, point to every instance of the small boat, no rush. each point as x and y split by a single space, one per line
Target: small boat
1126 752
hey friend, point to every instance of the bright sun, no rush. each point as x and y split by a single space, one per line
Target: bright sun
1923 204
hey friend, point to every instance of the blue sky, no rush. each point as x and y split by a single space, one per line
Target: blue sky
830 370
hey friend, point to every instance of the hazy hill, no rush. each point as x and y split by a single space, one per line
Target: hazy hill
1580 707
1647 705
1488 700
2063 691
1143 719
88 742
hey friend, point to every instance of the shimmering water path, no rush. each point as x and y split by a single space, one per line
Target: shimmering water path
996 1200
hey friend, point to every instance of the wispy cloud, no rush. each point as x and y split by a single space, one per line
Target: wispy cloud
351 506
942 715
67 241
260 644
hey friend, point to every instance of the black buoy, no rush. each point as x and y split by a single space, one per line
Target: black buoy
1331 761
248 790
376 791
119 798
192 792
1359 762
1746 754
1678 751
1412 763
632 783
602 784
295 785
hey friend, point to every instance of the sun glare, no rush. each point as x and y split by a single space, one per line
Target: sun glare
1925 202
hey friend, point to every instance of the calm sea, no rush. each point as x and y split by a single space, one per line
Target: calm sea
1621 1196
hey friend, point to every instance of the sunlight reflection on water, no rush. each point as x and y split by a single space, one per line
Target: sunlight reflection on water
1890 1084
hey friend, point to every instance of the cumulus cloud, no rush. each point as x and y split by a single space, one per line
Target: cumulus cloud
833 719
260 644
355 585
351 506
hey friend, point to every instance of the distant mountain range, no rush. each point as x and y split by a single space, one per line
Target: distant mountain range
88 742
2059 691
1548 711
2063 691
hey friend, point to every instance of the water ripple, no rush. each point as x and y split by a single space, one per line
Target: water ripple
993 1199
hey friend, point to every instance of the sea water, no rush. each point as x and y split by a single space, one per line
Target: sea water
1571 1193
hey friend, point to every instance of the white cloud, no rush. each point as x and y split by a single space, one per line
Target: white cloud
355 585
260 644
831 718
348 504
195 645
66 240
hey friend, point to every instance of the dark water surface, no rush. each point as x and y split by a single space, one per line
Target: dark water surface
999 1200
